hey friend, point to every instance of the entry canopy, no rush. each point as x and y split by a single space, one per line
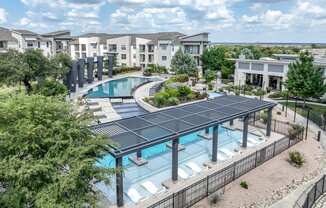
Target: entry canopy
139 132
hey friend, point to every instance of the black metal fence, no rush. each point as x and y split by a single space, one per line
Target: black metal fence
192 194
308 198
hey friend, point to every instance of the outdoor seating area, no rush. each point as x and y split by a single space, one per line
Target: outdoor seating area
147 136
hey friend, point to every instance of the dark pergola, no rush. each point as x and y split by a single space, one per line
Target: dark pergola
136 133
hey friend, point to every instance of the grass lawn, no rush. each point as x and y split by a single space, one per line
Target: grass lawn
316 113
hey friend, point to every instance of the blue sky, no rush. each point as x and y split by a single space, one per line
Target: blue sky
225 20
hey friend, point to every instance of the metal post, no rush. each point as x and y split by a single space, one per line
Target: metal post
207 131
119 181
295 109
318 136
175 143
269 122
110 64
90 69
254 118
245 131
138 154
215 143
287 102
99 67
307 122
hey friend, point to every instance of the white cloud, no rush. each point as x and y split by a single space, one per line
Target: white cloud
3 15
24 21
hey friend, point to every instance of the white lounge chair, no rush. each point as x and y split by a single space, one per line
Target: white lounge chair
150 187
227 152
194 167
183 174
134 195
221 157
252 140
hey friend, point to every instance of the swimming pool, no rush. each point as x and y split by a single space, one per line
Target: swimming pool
158 168
117 87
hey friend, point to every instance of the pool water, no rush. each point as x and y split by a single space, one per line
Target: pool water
117 88
225 136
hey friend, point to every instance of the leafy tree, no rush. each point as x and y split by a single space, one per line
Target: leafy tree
61 64
304 79
182 63
216 59
50 88
47 154
25 67
209 76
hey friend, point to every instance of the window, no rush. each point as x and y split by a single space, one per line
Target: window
123 56
112 47
134 56
77 55
30 44
83 55
142 58
150 58
105 47
76 47
2 44
163 46
142 48
94 54
164 58
47 44
38 44
94 45
150 48
123 47
243 65
192 49
83 46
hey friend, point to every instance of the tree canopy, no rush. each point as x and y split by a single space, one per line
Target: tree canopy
216 59
47 155
304 79
31 66
183 63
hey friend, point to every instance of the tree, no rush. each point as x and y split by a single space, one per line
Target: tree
25 67
209 76
304 79
216 59
182 63
61 64
47 154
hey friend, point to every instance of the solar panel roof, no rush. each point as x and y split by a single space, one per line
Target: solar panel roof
131 134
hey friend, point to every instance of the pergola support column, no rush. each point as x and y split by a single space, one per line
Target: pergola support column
175 143
215 143
119 181
90 69
99 68
81 72
207 131
269 122
74 74
231 122
245 131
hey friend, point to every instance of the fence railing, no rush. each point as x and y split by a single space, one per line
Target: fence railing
309 197
192 194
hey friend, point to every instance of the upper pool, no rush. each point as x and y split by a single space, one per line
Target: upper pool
117 87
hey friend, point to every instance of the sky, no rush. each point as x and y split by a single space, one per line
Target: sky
224 20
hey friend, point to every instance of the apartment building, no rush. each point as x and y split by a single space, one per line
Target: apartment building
22 40
7 41
267 72
140 49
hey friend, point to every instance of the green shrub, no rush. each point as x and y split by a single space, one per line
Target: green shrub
244 184
173 101
264 116
184 91
277 94
210 86
50 88
295 131
180 78
147 72
159 100
296 158
172 92
125 69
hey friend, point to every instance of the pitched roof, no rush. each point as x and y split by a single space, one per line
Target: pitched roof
25 32
58 33
5 35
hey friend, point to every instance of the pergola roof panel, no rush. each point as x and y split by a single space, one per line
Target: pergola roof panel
142 131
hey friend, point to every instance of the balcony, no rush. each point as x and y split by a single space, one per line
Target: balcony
142 48
192 49
150 48
112 48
